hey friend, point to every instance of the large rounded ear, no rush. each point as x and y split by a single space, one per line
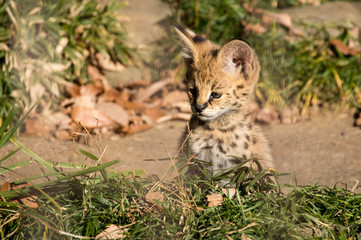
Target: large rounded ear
238 57
189 40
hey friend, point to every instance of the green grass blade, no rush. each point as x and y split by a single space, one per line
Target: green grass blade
88 154
9 155
68 165
17 192
24 180
14 166
4 126
12 130
36 157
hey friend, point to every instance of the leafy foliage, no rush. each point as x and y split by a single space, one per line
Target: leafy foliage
44 44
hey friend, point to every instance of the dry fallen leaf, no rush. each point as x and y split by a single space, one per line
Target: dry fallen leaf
153 113
230 192
254 28
35 126
90 90
175 116
114 112
109 95
340 46
107 64
5 186
214 199
132 105
136 125
90 117
343 48
72 89
252 9
63 135
145 93
112 232
30 201
95 75
282 18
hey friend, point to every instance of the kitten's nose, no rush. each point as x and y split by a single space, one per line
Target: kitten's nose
200 107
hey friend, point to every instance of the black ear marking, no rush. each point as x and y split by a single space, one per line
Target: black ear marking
181 28
198 39
214 52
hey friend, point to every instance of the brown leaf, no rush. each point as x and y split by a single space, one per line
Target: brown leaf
109 95
114 112
340 46
30 201
214 199
90 90
153 113
145 93
22 185
94 74
112 232
90 117
254 28
133 105
107 64
72 89
174 97
281 18
5 186
98 78
36 126
63 135
252 9
200 208
230 192
133 129
122 98
176 116
85 101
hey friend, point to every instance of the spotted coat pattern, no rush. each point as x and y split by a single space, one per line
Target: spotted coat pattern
220 86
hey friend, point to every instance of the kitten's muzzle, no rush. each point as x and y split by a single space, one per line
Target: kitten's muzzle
200 107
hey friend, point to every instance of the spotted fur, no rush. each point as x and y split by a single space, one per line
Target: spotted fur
220 87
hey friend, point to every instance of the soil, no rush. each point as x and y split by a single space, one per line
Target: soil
325 149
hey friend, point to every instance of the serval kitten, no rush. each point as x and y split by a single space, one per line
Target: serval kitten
220 86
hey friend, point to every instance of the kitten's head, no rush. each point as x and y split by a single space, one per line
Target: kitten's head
220 80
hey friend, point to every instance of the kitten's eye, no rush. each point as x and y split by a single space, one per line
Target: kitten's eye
193 91
215 95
